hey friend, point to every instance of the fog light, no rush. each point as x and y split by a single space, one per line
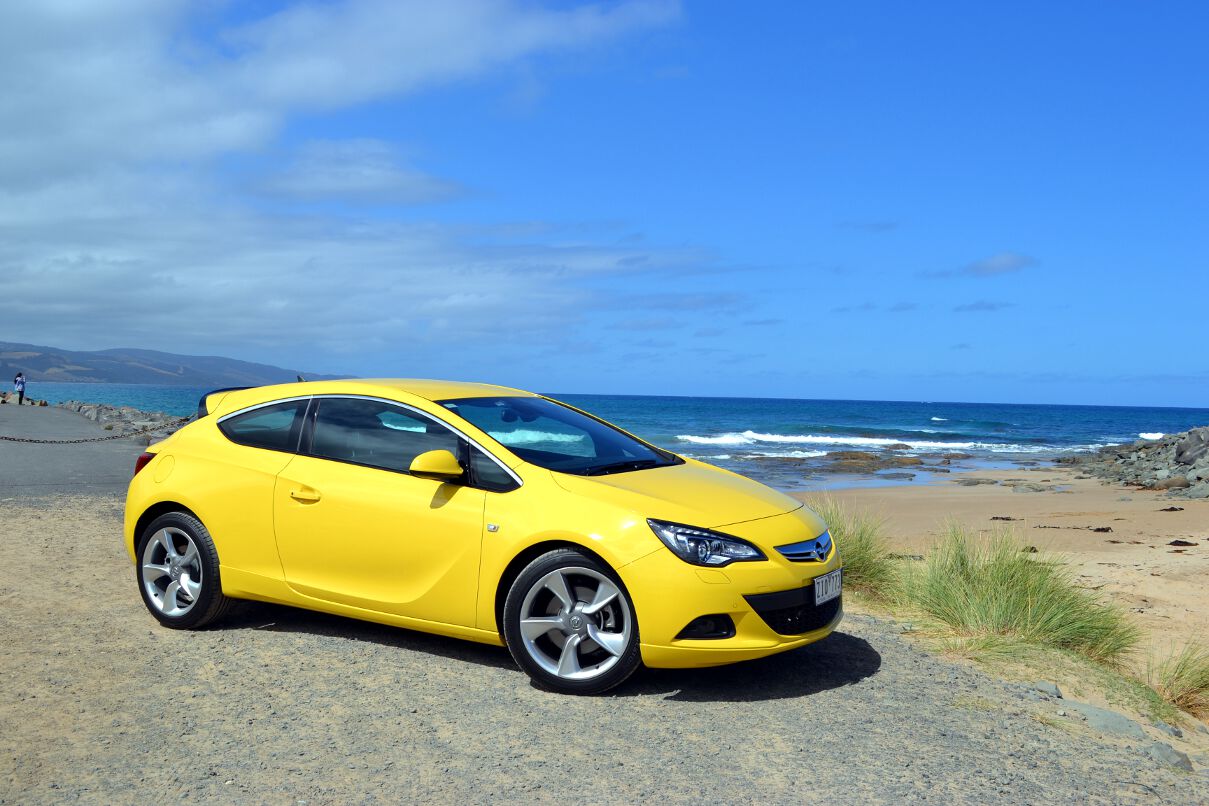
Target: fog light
718 625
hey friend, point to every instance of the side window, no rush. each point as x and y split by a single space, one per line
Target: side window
273 427
487 474
375 433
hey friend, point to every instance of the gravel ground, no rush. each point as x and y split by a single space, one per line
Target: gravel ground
99 704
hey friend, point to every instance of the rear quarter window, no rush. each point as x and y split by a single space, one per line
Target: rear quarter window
274 428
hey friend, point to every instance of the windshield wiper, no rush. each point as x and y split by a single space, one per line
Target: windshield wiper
618 467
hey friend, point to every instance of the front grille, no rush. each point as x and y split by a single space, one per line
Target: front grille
794 612
807 551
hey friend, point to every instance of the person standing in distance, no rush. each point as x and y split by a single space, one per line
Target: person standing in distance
19 387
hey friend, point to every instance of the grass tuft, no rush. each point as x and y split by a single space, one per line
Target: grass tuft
860 537
1182 678
993 589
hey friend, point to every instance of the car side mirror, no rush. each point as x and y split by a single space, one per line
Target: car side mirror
438 465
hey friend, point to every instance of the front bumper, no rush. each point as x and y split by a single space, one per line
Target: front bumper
770 602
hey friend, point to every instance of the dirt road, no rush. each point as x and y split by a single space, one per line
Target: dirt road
98 704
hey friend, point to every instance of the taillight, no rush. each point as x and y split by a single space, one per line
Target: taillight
142 461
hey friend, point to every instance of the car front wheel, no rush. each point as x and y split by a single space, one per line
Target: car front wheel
569 623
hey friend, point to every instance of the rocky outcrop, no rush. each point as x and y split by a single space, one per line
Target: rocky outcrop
1178 463
125 419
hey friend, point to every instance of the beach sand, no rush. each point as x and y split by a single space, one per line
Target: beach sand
1166 587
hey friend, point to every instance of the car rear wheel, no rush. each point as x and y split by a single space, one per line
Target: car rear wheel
569 623
177 572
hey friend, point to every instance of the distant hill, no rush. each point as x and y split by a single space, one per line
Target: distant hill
137 366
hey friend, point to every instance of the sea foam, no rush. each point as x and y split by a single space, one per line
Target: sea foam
1152 435
757 439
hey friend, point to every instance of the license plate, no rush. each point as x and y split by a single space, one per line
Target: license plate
827 587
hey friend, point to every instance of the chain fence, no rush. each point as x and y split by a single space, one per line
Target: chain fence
147 430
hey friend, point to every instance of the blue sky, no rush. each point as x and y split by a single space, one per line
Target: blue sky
932 201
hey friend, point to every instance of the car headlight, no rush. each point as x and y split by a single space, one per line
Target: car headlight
703 546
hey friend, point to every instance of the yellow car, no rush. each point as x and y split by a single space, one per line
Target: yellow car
478 512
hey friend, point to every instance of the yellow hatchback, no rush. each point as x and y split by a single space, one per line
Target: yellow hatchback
478 512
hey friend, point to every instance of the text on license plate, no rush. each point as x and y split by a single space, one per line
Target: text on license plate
827 587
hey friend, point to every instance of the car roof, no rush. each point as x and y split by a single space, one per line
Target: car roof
431 389
394 388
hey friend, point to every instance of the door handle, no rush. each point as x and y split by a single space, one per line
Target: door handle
306 495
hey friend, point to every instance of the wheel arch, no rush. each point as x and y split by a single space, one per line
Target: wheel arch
528 555
154 511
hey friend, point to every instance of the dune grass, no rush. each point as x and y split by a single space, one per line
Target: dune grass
860 537
986 599
991 589
1182 678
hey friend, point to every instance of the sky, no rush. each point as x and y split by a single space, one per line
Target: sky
988 202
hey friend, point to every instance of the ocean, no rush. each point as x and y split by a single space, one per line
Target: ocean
785 442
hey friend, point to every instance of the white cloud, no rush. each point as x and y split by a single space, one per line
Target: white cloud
1001 263
361 170
120 230
85 83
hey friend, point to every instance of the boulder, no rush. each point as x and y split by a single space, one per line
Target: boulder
1198 491
1192 446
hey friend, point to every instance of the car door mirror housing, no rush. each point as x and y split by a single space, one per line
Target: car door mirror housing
440 465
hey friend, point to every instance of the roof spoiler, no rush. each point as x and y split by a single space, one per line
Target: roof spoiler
202 411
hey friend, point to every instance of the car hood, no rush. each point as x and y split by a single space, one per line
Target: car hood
692 493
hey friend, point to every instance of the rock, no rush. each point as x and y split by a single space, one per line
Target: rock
1167 754
1048 688
1031 487
1170 730
1198 491
898 446
1178 542
1172 509
973 481
1192 446
1107 721
957 456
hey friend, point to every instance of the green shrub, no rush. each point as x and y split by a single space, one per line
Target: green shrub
1183 678
993 588
862 545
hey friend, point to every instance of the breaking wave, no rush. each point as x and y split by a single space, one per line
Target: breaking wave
758 440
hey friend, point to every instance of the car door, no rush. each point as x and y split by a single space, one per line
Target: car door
353 527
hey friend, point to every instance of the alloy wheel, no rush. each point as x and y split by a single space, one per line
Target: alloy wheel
172 571
575 623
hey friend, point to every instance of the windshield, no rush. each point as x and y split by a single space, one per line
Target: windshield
557 437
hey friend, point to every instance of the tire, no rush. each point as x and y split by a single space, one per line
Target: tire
177 573
569 623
